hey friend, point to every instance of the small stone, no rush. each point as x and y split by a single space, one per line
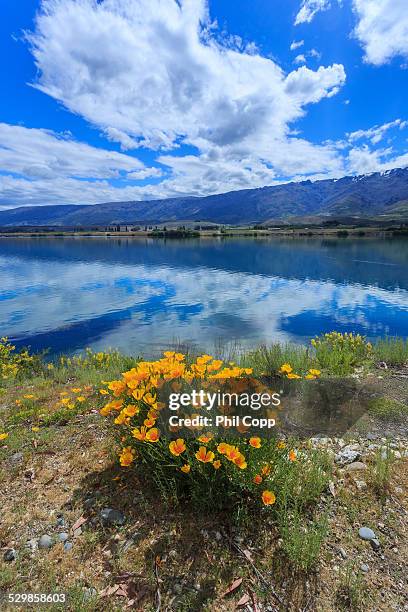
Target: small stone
89 593
342 553
32 544
89 502
361 484
10 555
346 455
63 537
60 521
364 567
45 541
375 544
67 546
366 533
218 536
356 466
17 457
371 437
77 532
110 516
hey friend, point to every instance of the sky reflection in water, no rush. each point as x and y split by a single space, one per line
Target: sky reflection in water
142 295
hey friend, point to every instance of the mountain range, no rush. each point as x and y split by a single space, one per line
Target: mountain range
379 195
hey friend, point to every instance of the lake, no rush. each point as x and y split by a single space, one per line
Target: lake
141 295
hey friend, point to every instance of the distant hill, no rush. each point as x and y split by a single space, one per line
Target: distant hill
377 195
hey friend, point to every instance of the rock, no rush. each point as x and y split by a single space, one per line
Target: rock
63 537
397 454
355 466
67 546
10 555
371 437
60 521
366 533
89 502
361 484
89 593
346 455
45 541
375 544
16 457
364 567
77 532
110 516
32 544
342 553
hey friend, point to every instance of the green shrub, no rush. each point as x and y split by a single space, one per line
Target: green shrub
393 351
339 354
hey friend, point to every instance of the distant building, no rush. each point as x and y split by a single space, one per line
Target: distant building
122 228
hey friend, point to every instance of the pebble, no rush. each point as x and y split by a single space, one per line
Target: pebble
346 455
361 484
89 593
60 521
45 541
375 544
355 466
110 516
32 544
67 546
342 553
10 555
364 567
366 533
63 537
17 457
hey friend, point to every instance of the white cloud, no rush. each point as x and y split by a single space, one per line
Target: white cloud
39 153
299 59
382 29
155 74
125 141
310 8
377 133
296 45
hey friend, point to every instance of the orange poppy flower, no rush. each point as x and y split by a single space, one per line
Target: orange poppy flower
223 448
257 479
205 439
217 464
268 498
240 462
153 435
204 456
177 447
292 455
255 442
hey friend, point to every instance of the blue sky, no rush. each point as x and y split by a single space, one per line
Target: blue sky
141 99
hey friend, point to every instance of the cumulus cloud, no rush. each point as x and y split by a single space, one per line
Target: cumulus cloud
296 45
41 167
310 8
300 59
377 133
382 29
156 74
39 153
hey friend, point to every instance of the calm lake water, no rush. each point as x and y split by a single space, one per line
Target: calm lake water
142 295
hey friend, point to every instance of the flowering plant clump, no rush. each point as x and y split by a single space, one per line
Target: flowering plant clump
13 363
209 469
341 353
287 370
